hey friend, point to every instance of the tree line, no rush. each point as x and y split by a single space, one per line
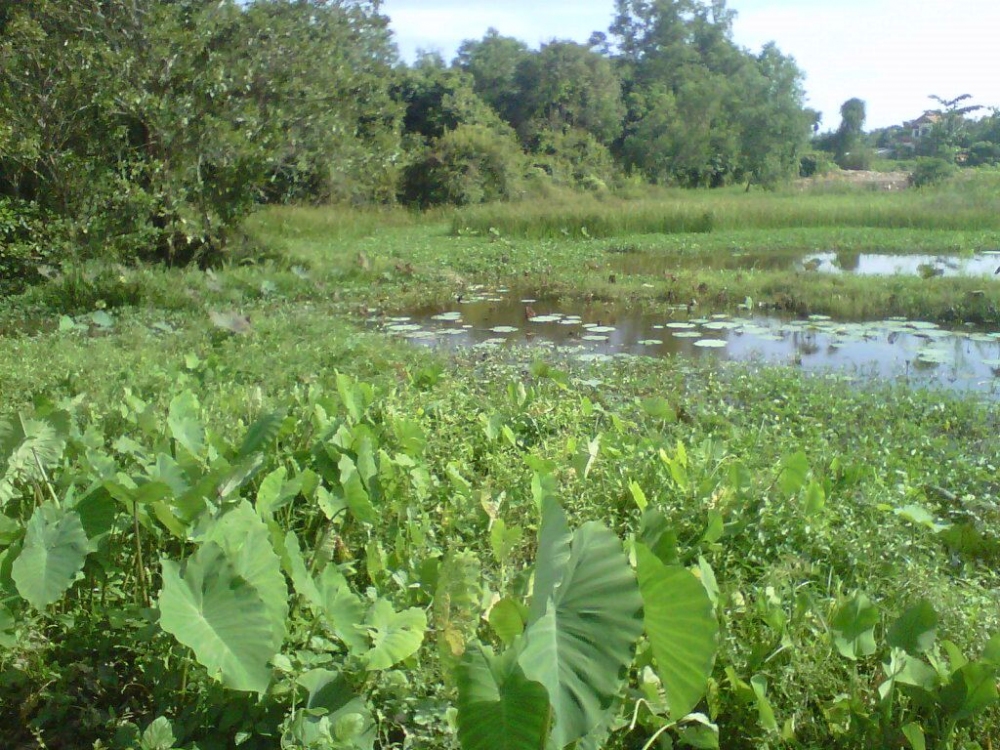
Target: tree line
150 128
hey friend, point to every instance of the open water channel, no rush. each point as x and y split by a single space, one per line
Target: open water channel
920 352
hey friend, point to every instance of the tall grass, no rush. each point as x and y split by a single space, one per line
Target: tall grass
970 204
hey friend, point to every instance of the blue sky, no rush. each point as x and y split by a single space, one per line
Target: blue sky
891 53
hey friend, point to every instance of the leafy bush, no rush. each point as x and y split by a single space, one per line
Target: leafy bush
152 129
857 159
815 163
26 242
931 171
469 165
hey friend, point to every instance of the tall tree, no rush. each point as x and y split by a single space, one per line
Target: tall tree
493 62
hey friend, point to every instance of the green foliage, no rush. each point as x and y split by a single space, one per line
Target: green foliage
169 121
469 165
220 616
931 171
54 551
682 629
498 706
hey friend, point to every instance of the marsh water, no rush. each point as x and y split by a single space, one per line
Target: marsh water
920 352
983 264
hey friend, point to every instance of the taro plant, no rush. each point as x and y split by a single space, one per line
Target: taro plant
561 676
930 689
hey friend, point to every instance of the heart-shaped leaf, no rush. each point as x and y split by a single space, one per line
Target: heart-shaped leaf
681 627
208 607
55 549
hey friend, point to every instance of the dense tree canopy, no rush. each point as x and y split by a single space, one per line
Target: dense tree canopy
142 127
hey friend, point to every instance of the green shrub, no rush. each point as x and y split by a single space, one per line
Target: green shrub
815 163
931 170
468 165
858 159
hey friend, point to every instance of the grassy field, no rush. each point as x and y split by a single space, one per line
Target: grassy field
844 540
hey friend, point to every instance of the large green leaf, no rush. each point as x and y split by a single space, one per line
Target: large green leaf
554 537
8 638
246 541
973 688
333 711
24 445
498 707
853 625
184 421
219 616
682 629
915 630
343 609
395 635
55 548
581 646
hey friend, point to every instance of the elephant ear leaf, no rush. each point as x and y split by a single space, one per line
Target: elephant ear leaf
216 613
55 549
580 648
498 707
681 627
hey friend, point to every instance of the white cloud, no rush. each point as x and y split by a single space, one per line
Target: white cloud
892 54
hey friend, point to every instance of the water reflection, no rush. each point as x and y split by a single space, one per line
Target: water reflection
863 264
919 351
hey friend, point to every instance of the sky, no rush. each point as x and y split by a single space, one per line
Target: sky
893 54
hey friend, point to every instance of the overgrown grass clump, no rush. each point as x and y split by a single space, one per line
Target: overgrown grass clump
973 205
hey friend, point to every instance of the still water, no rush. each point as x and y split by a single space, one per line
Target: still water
984 264
918 351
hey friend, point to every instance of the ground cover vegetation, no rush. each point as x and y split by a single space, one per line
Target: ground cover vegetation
233 514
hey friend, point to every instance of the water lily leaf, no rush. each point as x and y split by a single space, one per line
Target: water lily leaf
215 612
395 635
55 549
503 329
710 343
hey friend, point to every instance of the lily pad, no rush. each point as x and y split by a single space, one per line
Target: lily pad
710 343
546 319
594 337
680 326
403 327
453 316
504 329
687 335
602 329
655 342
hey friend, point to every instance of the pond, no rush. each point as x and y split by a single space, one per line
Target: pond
984 264
919 351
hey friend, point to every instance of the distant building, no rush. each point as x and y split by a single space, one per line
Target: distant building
914 130
923 125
